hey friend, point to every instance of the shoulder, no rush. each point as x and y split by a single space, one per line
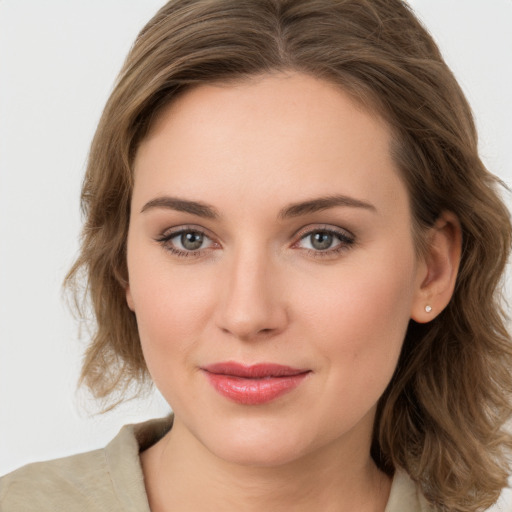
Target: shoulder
108 479
406 496
59 484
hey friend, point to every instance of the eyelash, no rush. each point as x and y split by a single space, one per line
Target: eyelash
166 238
346 241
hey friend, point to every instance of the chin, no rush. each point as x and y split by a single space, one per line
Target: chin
259 452
265 442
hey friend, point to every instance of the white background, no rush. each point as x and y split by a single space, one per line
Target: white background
58 60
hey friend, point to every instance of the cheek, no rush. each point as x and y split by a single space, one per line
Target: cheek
168 318
360 323
167 330
170 307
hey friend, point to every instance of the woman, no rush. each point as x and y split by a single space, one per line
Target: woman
290 231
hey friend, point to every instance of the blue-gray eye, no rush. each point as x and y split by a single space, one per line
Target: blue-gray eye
321 240
191 240
325 240
186 242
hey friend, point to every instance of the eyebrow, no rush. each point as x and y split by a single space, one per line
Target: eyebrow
182 205
323 203
294 210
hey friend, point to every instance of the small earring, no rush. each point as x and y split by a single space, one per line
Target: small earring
428 308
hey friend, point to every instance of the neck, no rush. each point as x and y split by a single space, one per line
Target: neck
182 475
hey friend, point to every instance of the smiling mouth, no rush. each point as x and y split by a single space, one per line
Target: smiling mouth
253 385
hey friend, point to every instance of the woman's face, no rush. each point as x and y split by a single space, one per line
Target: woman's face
271 266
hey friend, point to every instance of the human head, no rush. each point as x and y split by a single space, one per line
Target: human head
376 51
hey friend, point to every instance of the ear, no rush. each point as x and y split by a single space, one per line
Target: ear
438 269
129 298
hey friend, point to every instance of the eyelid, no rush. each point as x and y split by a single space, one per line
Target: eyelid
345 237
329 228
346 240
168 234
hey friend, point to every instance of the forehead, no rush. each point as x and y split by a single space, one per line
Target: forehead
276 135
262 99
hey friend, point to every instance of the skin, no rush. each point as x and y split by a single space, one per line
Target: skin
259 290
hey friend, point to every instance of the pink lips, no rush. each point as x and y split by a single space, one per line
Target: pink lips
253 385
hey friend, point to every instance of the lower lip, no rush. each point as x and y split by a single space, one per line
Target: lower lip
249 391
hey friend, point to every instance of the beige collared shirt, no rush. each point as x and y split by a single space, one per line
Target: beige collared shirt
111 479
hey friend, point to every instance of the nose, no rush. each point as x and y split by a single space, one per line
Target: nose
251 301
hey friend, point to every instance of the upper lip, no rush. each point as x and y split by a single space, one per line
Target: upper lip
254 371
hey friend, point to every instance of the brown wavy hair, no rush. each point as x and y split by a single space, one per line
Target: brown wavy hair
443 416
